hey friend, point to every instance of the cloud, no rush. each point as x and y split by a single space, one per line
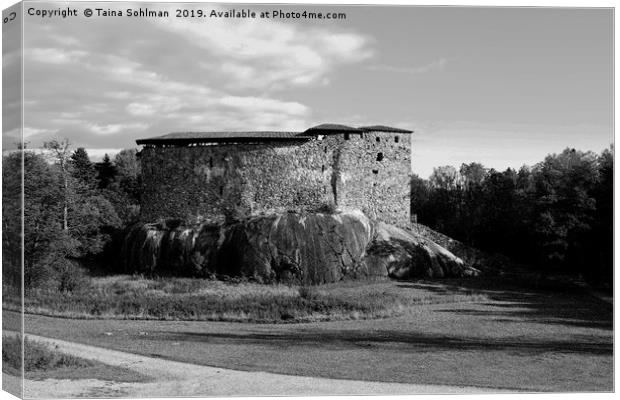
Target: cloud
116 85
115 128
268 54
256 104
436 65
30 131
54 55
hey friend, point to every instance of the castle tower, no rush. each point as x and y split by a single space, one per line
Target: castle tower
371 168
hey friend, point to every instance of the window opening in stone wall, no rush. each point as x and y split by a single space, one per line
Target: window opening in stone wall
379 156
210 162
221 190
375 171
322 168
325 149
346 136
378 139
396 139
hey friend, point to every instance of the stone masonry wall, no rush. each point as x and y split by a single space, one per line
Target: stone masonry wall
374 176
203 183
231 181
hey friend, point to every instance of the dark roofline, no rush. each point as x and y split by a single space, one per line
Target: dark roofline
185 138
383 128
331 129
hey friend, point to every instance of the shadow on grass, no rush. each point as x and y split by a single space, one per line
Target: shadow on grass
404 342
517 301
508 303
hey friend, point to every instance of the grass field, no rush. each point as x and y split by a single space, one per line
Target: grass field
505 336
43 362
135 297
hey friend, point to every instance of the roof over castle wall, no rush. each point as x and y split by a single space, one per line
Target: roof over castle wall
383 128
185 138
220 137
327 129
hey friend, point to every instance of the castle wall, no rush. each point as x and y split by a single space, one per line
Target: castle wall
374 176
201 183
212 183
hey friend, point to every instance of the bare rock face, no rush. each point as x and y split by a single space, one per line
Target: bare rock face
312 248
304 248
405 255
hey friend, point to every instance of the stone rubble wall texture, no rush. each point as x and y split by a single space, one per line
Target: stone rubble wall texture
374 176
227 182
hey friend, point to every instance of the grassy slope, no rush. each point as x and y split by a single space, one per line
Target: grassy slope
43 362
130 297
515 338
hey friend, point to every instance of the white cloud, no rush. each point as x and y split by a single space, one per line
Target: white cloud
31 131
436 65
115 128
54 55
220 75
257 104
271 55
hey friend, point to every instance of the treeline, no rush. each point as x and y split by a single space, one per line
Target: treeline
72 209
556 216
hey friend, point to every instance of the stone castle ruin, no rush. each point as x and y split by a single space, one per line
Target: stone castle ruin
223 176
261 205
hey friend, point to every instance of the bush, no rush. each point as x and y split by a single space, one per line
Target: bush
308 292
69 277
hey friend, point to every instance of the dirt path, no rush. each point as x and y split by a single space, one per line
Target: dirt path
173 378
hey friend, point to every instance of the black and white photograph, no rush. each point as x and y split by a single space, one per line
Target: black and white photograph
252 199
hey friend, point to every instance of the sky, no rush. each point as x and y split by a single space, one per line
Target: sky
500 86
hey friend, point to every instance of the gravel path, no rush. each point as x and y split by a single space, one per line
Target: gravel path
173 378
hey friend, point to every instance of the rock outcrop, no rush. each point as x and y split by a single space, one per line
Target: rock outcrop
305 248
405 255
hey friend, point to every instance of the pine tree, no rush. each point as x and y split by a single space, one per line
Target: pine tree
83 169
106 172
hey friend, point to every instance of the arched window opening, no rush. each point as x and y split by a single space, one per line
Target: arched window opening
375 171
396 139
379 156
378 139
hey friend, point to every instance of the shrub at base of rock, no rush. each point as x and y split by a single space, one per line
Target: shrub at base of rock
307 249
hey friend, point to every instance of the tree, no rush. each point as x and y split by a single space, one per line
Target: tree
87 215
127 164
444 177
82 168
602 238
129 175
472 174
565 206
419 196
45 242
12 219
60 151
557 215
106 172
